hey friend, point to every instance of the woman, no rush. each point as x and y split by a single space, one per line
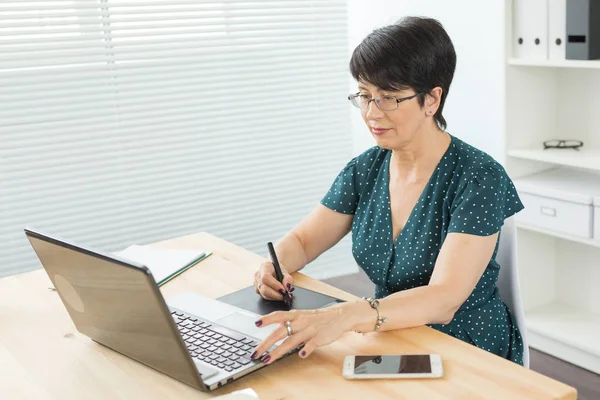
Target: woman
424 208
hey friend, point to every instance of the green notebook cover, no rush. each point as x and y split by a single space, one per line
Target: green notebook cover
185 268
164 263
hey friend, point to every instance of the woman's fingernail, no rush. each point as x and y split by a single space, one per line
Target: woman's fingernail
303 353
292 289
282 291
289 286
265 359
253 356
258 323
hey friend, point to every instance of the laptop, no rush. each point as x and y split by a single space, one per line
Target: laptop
202 342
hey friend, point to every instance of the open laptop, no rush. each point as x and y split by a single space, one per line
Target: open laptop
202 342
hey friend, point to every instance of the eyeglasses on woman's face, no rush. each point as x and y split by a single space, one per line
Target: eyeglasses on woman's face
384 103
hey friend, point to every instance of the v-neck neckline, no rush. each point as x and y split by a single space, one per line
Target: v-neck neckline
389 202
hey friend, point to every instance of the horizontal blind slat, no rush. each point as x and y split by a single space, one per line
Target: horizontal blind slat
231 22
151 127
96 84
163 34
160 97
157 46
57 164
146 56
154 111
233 64
24 5
149 113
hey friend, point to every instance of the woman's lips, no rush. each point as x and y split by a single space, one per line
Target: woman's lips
379 131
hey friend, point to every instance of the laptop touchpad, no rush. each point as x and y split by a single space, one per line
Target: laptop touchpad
201 306
244 323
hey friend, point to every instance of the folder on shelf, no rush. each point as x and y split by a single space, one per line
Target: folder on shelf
530 29
583 35
557 29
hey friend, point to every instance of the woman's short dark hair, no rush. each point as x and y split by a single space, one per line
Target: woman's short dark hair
414 53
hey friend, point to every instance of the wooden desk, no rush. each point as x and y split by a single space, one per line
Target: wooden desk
42 356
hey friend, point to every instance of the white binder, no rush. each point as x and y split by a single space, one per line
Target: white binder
557 29
530 29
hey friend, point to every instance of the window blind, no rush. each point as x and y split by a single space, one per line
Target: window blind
136 121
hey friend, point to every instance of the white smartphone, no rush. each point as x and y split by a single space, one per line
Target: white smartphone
393 366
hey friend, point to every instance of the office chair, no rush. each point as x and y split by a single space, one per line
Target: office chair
508 279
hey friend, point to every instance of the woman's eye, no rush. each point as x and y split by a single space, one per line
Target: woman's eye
388 98
363 95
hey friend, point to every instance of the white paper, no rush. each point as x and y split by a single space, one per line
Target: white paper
160 261
245 394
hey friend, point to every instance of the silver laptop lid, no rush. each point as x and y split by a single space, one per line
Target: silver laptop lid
116 303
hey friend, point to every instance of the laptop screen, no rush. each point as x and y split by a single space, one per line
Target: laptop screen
117 304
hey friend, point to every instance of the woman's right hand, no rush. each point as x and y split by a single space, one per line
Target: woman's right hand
267 285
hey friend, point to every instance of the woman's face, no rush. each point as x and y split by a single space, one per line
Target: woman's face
395 128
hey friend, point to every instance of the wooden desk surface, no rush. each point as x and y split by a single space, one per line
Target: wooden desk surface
42 356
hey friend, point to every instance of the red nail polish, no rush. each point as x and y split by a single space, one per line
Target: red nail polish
265 359
258 323
303 353
289 286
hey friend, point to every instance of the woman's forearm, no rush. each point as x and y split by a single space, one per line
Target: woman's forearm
406 309
291 253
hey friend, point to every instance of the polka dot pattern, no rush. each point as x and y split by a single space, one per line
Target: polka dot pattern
469 192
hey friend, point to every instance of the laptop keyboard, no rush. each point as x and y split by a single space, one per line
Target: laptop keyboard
214 344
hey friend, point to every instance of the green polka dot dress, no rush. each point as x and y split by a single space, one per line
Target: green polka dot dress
469 192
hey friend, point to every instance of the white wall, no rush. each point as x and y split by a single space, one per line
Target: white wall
474 109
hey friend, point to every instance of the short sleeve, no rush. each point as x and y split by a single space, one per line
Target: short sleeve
343 194
487 199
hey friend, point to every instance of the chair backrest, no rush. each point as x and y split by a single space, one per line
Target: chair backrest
508 279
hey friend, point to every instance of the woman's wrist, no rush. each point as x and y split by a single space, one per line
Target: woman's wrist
360 316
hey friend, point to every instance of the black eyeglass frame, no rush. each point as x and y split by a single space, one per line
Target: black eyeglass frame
562 144
352 97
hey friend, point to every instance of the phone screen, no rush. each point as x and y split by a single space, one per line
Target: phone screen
392 364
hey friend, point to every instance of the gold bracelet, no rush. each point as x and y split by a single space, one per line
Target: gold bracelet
374 303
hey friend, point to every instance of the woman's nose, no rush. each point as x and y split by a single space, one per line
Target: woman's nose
372 111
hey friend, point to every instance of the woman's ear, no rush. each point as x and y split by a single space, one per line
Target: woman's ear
432 100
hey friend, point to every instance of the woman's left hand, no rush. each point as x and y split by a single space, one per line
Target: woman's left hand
314 328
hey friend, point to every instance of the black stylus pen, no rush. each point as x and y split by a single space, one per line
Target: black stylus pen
278 274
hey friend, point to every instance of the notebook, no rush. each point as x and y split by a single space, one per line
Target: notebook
165 264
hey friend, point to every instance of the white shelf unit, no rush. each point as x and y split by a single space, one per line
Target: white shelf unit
585 158
531 228
559 273
591 64
566 331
